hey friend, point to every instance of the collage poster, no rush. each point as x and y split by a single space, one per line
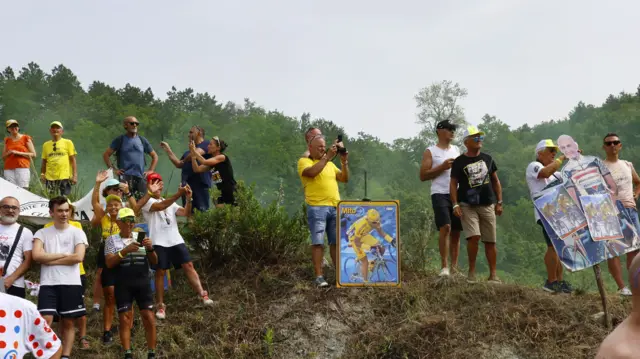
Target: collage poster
368 243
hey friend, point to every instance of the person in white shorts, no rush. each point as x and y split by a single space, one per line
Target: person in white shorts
17 153
59 249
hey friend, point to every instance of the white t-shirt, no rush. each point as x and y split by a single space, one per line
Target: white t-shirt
25 331
60 241
441 183
537 184
163 225
7 237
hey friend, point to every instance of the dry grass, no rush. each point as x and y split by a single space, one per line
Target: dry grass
276 312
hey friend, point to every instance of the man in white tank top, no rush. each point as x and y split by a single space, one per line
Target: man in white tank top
436 167
625 177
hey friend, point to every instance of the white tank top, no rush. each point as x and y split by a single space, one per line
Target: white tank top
440 184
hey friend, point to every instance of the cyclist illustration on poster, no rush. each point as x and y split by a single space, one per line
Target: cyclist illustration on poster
368 243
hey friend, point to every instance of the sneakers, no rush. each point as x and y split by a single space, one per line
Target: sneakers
320 282
204 297
444 272
96 307
471 278
128 354
151 354
566 287
552 287
160 313
624 291
107 337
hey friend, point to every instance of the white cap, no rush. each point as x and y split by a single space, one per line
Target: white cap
545 144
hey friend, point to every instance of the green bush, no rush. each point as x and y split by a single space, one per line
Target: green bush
249 232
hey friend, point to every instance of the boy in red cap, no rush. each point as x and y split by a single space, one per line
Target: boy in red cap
160 214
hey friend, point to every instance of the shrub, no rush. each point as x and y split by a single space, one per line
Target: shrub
249 232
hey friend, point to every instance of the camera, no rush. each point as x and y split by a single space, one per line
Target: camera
341 149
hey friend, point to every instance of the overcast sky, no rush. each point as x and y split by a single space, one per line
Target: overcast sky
358 63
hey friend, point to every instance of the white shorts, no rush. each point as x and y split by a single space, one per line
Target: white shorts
20 176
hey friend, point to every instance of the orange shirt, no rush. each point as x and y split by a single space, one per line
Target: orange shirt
14 161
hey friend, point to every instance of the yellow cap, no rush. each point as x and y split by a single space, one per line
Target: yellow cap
545 144
56 123
125 212
471 131
10 123
112 197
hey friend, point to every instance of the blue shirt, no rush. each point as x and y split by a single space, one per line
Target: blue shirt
192 178
131 154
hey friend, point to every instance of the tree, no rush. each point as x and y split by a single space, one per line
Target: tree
438 102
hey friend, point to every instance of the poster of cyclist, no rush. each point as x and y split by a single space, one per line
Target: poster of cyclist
602 217
368 244
563 214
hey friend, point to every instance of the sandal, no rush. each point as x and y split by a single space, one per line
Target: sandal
84 342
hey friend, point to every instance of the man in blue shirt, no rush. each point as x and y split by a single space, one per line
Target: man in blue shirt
130 150
200 183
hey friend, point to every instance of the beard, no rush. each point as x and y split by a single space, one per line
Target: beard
8 220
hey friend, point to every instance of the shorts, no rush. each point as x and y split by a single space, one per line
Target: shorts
176 255
366 242
83 281
19 176
227 197
17 292
137 185
107 277
443 212
479 221
64 300
61 187
632 213
201 200
321 219
544 233
128 290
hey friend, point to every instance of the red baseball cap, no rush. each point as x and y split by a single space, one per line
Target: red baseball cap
153 176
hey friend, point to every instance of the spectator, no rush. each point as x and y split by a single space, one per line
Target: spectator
59 249
436 166
475 187
130 259
622 343
311 133
625 177
17 154
320 179
161 215
130 149
59 168
221 169
199 182
16 243
539 174
32 331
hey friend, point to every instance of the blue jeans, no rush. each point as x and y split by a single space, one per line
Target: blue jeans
633 215
321 219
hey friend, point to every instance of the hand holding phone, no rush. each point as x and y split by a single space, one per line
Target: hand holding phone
141 236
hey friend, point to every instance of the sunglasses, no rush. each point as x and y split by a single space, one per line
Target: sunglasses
128 220
217 140
54 147
7 207
133 123
114 188
478 138
610 143
552 149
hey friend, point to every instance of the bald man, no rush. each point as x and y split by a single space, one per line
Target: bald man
311 133
623 342
130 150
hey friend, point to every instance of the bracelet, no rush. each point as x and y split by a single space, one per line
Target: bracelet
149 193
150 250
456 205
120 255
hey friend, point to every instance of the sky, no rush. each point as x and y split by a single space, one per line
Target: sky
357 63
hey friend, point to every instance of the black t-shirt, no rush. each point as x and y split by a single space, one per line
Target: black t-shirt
471 172
222 177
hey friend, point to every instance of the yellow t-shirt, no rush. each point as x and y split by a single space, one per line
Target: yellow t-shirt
322 190
109 227
77 225
58 161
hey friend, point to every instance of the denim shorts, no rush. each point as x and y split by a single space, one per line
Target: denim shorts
633 214
322 219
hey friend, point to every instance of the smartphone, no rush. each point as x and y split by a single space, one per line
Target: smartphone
141 236
339 138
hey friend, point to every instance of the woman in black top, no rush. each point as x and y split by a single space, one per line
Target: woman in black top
221 169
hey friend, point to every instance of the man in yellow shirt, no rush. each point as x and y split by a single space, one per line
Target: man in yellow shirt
320 178
59 170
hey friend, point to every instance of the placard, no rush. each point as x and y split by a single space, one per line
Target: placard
368 243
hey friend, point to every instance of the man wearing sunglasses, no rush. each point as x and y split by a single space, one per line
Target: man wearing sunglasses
59 169
626 178
539 174
130 149
436 167
476 195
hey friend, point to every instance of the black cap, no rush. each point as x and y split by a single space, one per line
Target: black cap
446 125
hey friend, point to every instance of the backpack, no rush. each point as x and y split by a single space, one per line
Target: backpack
119 145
